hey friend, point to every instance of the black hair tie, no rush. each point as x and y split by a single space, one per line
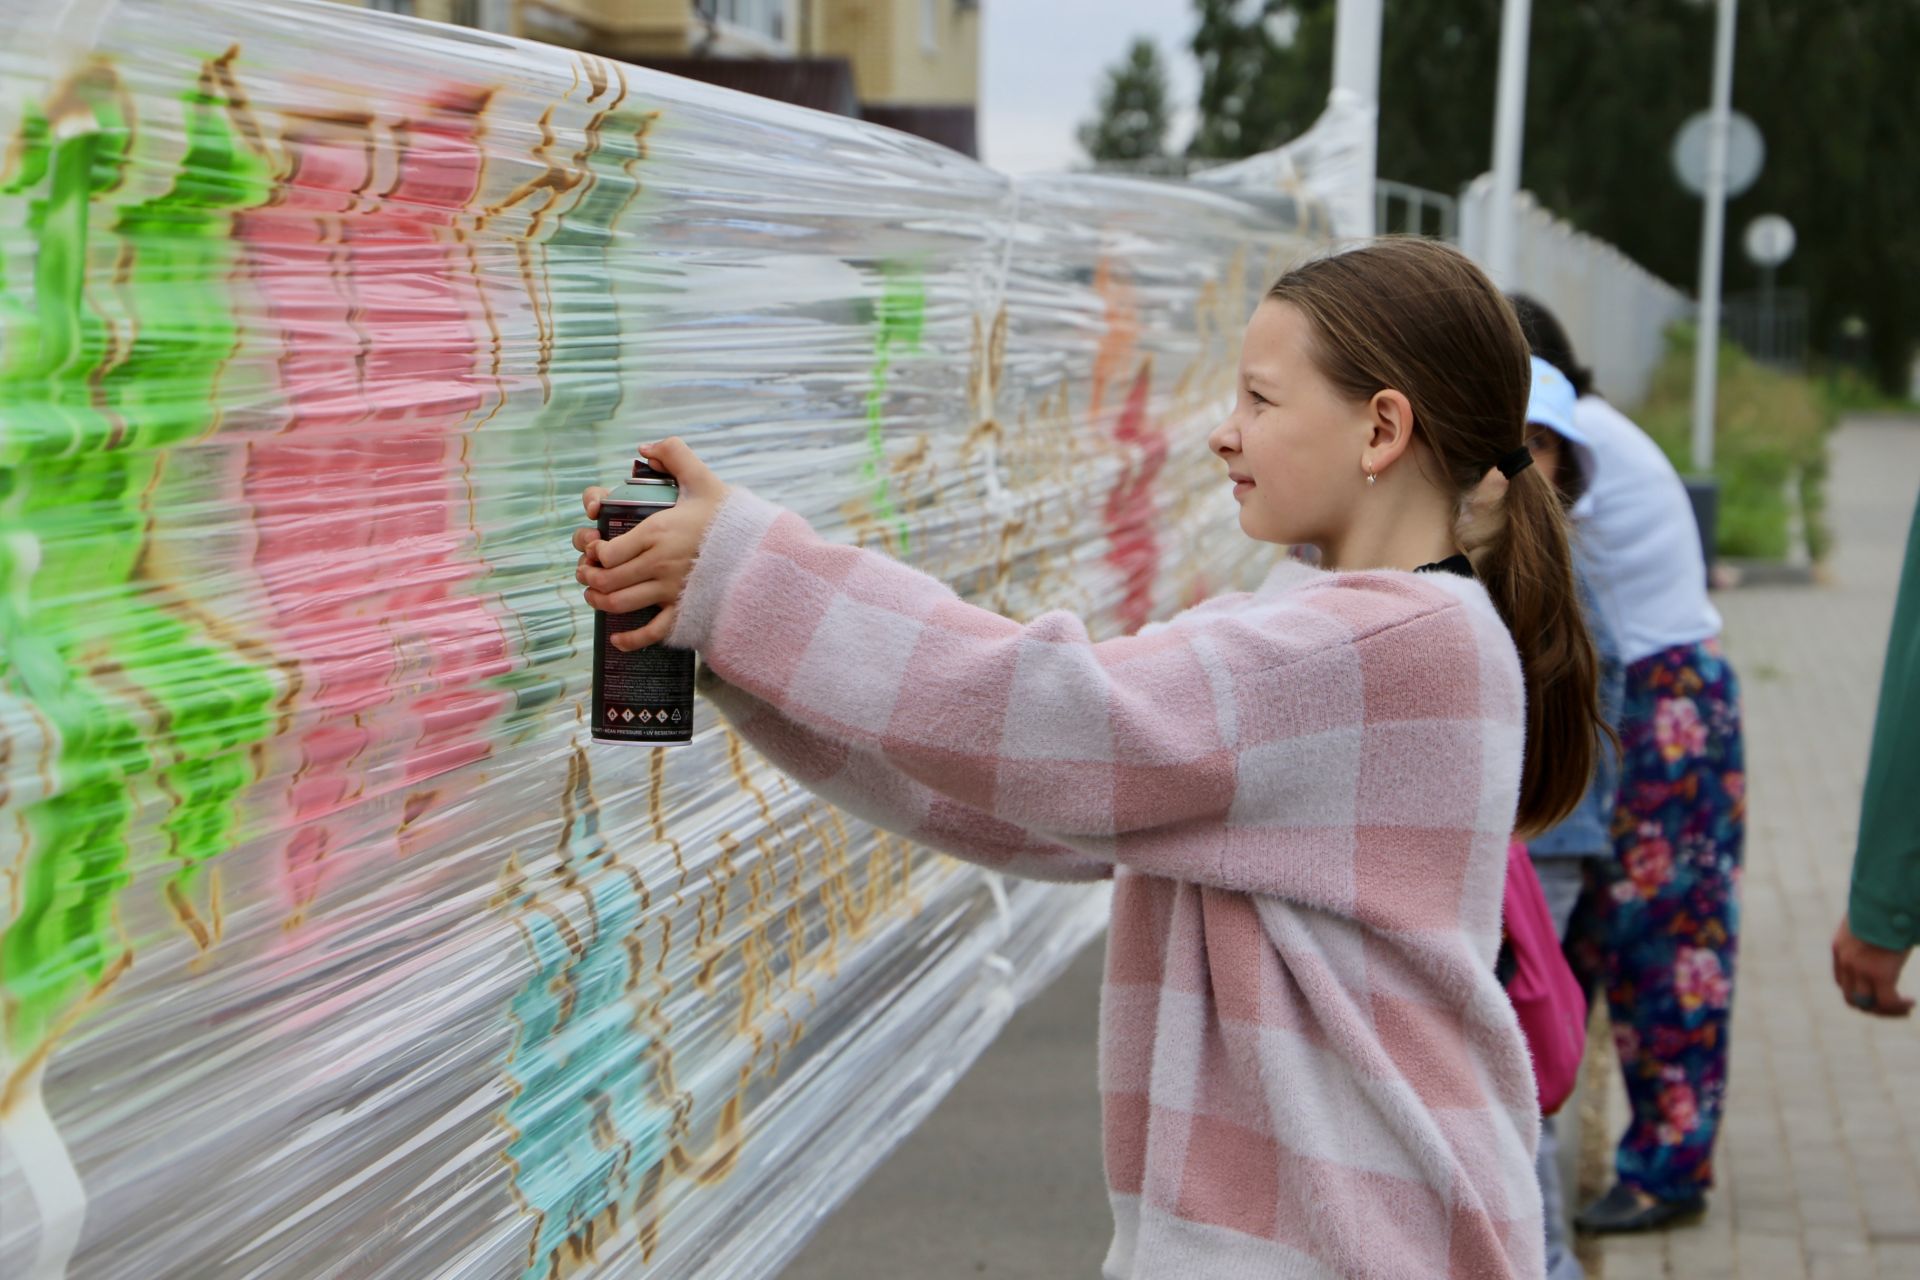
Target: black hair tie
1514 463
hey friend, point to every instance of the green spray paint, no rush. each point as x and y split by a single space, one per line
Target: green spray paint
898 320
147 707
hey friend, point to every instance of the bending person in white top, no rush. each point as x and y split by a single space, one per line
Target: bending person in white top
1636 518
1665 900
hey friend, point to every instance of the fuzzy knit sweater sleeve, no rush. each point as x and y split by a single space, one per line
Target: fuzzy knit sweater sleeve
862 781
1178 753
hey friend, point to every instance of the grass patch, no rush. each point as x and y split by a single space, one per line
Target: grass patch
1851 390
1769 429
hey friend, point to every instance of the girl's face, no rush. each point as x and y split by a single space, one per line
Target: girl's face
1545 445
1294 445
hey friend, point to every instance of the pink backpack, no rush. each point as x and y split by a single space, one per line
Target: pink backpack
1552 1008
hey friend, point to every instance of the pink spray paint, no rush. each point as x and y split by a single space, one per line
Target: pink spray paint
363 544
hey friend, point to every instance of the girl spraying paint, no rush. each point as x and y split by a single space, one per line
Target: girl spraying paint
1303 793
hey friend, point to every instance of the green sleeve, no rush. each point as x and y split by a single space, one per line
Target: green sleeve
1884 907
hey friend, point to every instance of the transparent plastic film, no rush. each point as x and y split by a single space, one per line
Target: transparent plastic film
331 945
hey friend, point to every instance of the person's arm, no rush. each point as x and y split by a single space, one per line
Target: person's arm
1036 724
1586 830
1239 752
866 784
1883 908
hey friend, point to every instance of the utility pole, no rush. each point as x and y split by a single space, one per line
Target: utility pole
1713 229
1509 118
1356 81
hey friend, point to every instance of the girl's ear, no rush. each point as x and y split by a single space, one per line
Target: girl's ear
1389 428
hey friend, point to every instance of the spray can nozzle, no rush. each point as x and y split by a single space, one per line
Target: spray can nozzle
644 473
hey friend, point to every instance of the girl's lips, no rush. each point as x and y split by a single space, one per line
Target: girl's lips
1240 483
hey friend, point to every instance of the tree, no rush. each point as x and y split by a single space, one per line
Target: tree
1265 68
1609 82
1130 122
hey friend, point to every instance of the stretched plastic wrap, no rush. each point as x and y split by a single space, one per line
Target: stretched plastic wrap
1330 168
331 947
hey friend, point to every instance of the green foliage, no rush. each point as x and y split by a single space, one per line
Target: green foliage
1265 69
1770 431
1848 390
1609 83
1130 122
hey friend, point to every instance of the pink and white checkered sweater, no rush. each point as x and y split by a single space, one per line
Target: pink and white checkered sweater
1304 796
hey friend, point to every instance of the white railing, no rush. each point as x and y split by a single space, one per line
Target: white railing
1615 310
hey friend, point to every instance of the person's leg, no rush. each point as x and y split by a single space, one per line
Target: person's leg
1671 917
1561 1262
1561 880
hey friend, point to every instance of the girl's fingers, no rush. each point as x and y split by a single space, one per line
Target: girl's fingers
646 567
583 539
591 501
617 551
653 633
629 599
677 458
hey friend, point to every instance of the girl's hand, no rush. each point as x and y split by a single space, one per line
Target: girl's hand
649 564
1481 516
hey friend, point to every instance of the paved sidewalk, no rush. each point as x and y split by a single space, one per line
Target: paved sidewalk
1003 1180
1819 1163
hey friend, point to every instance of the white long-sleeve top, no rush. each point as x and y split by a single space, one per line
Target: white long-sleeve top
1640 538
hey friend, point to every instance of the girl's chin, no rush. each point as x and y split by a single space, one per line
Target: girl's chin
1261 530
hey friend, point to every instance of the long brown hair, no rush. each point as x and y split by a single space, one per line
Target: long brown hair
1418 317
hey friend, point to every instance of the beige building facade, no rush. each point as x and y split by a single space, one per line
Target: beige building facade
910 64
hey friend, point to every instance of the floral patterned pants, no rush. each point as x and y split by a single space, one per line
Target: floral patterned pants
1668 903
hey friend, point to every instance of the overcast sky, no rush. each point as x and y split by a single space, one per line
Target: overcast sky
1041 68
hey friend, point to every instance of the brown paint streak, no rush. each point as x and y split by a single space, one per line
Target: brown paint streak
656 812
189 918
16 1083
650 1186
239 106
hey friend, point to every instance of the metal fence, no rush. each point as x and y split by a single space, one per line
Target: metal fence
1401 207
1770 325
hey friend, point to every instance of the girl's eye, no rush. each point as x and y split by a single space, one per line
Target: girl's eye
1257 397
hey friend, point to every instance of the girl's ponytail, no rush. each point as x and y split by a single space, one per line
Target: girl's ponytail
1526 565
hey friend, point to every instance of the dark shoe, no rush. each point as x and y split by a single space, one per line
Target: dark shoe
1622 1210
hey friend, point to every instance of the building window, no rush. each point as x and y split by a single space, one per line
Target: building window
766 19
483 15
930 25
404 7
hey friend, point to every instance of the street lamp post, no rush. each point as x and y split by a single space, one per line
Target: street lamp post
1509 115
1706 363
1356 80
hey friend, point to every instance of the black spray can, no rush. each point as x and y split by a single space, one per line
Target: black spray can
643 698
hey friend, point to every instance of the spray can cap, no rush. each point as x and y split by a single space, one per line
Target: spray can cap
645 474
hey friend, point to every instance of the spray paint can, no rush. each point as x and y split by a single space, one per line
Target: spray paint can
643 698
